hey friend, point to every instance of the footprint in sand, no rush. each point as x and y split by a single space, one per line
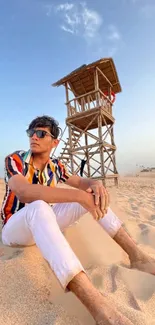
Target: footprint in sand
147 235
151 223
97 281
144 235
134 208
114 271
143 227
8 253
108 273
132 200
152 220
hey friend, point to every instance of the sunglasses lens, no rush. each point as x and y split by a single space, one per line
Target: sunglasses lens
40 133
30 132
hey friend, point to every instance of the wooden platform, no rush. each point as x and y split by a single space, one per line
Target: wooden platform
82 120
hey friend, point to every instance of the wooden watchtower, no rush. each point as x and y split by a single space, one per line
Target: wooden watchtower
90 147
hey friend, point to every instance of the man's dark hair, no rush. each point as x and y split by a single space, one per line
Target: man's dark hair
48 122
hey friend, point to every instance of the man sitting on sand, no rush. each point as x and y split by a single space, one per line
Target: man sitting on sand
29 217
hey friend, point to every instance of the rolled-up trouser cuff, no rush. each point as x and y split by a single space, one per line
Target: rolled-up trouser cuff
111 223
70 276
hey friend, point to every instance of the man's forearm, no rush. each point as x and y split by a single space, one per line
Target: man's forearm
79 182
33 192
84 183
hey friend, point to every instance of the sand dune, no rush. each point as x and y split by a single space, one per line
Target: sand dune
31 295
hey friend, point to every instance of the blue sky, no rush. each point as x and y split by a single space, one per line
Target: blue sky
41 41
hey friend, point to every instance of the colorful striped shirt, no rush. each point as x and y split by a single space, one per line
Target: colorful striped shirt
21 162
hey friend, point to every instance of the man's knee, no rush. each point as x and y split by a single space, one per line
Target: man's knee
39 205
40 209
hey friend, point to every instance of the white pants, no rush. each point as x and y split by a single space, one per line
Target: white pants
38 223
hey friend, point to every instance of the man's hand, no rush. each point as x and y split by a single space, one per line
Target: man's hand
87 201
95 188
101 196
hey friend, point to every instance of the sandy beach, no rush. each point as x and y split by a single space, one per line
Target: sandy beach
30 293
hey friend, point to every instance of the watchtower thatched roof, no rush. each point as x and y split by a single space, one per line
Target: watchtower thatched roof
81 80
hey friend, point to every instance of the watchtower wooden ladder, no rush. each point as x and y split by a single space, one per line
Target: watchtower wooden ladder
90 147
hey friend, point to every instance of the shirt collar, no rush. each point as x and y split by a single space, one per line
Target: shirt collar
29 159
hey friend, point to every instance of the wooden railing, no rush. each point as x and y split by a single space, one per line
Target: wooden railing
88 101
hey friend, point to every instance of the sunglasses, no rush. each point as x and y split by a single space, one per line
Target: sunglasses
39 133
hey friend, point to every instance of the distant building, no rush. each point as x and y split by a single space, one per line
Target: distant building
149 169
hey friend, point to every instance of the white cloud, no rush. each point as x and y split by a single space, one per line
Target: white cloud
68 30
79 19
92 21
65 6
113 34
48 9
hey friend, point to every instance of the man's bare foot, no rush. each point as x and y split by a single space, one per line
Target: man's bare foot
115 319
144 263
138 259
122 321
100 306
110 316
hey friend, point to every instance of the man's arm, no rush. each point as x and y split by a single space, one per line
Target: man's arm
27 193
78 182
